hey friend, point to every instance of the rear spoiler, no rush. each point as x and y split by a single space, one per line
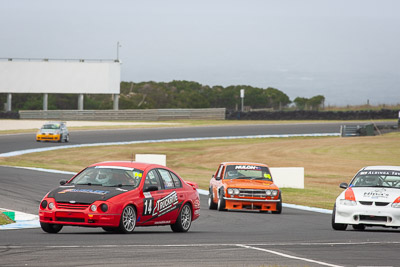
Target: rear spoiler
192 184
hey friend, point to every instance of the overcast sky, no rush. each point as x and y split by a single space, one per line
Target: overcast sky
346 50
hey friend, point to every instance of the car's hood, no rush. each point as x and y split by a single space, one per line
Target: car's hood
380 194
85 194
251 184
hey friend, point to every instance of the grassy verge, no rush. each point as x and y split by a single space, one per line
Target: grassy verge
5 219
328 161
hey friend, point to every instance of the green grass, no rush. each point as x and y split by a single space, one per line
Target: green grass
5 219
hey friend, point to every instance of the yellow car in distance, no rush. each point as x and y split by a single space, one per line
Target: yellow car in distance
53 131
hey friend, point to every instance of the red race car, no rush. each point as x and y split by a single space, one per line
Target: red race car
118 196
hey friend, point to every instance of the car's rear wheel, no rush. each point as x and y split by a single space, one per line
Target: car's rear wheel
278 205
184 220
67 138
337 226
359 227
51 228
128 220
221 201
211 203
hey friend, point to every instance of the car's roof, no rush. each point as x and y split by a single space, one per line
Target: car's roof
129 164
378 168
244 163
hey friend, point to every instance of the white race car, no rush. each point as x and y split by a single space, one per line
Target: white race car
371 199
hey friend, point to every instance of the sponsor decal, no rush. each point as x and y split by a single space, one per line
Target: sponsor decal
377 193
163 222
147 194
247 167
87 191
267 176
166 204
390 173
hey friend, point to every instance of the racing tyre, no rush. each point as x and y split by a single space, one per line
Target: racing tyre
359 227
337 226
211 203
278 205
61 139
109 229
51 228
128 220
184 220
67 138
221 202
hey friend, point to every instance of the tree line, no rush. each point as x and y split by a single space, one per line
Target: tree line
174 94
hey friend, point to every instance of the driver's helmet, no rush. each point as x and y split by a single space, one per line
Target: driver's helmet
371 180
232 174
102 178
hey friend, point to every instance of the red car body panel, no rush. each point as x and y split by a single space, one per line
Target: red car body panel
159 207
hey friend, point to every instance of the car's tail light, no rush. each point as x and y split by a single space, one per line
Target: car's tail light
396 203
349 198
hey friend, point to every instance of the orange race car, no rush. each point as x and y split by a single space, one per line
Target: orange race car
244 185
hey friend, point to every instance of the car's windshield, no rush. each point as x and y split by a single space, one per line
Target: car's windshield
377 178
247 172
51 126
108 176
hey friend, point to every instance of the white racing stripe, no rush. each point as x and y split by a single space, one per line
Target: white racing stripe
289 256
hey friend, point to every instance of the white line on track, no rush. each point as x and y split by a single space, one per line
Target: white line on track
288 256
27 151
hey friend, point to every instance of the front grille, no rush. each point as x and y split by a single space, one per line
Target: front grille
70 206
381 204
260 193
373 218
368 203
63 219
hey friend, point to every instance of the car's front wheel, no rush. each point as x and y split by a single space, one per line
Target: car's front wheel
278 205
51 228
211 203
67 138
128 220
221 202
184 220
337 226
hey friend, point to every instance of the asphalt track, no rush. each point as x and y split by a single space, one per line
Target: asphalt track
293 238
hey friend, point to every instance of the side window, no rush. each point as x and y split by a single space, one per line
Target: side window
219 173
167 179
176 180
152 179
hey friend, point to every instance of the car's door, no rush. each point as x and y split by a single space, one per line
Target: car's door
152 193
174 195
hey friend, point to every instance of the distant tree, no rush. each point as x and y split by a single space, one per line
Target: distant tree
316 102
300 102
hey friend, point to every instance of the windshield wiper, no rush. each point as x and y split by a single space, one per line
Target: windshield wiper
243 177
89 184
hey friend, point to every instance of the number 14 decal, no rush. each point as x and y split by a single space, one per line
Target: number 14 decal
148 204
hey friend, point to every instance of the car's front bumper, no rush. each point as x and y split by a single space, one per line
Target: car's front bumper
79 218
48 137
368 215
251 204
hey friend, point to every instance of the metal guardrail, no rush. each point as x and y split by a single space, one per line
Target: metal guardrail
357 130
128 114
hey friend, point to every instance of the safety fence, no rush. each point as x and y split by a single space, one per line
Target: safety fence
128 114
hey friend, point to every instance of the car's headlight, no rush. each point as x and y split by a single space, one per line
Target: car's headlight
230 191
93 207
395 205
104 207
347 202
233 191
51 205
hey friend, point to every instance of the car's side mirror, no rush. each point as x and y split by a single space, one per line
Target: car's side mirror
344 185
63 182
151 188
217 178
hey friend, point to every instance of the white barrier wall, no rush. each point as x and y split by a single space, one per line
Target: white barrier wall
152 158
79 77
289 177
